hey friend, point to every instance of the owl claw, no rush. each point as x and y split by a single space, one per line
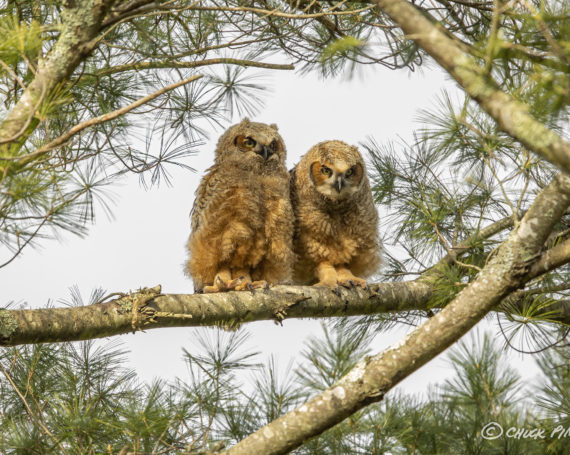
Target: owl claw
332 286
244 283
261 284
238 284
219 286
353 283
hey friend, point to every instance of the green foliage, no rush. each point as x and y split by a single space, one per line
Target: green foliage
438 195
334 356
80 399
18 41
138 52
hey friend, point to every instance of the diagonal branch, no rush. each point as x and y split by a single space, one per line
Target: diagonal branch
373 377
80 24
64 138
511 115
467 244
169 63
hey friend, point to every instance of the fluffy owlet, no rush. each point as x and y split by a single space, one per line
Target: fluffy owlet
336 232
242 221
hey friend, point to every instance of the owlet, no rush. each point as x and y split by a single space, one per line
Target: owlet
336 232
242 220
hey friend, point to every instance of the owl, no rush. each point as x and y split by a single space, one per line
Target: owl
336 223
242 221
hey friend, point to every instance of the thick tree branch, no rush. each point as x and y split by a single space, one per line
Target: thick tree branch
81 22
371 378
511 115
116 317
148 309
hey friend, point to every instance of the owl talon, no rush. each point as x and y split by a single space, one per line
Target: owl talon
353 282
212 289
332 286
243 283
260 284
219 285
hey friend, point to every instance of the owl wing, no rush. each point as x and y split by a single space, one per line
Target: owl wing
205 195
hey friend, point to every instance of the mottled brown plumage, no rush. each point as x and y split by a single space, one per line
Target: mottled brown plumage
336 231
242 221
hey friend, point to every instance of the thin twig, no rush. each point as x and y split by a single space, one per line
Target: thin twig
64 138
30 412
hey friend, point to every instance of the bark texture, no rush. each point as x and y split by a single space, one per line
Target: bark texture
148 309
81 23
511 115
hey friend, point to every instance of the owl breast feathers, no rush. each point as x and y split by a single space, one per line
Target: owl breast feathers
242 220
336 231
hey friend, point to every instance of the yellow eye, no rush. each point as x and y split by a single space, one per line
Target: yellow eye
248 142
327 171
245 143
274 146
349 172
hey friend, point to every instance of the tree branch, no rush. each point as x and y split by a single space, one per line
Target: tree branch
467 244
511 115
138 311
373 377
80 24
148 309
173 64
551 259
61 140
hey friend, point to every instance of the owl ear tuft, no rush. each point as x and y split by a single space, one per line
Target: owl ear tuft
245 121
274 126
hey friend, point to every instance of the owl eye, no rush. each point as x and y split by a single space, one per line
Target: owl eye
326 171
349 172
274 146
245 143
248 142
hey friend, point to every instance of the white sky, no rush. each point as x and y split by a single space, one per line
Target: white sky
145 244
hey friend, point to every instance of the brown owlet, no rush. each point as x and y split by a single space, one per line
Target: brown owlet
242 220
336 232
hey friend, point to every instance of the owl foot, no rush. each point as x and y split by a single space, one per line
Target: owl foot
240 284
346 279
332 285
243 283
353 282
222 282
260 284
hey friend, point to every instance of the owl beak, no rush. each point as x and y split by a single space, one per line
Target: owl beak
339 183
265 152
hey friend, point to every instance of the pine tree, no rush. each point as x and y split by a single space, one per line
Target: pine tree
479 198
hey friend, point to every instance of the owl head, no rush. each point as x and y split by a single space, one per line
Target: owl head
336 169
251 143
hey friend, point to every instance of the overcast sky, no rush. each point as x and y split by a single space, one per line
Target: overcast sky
144 245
